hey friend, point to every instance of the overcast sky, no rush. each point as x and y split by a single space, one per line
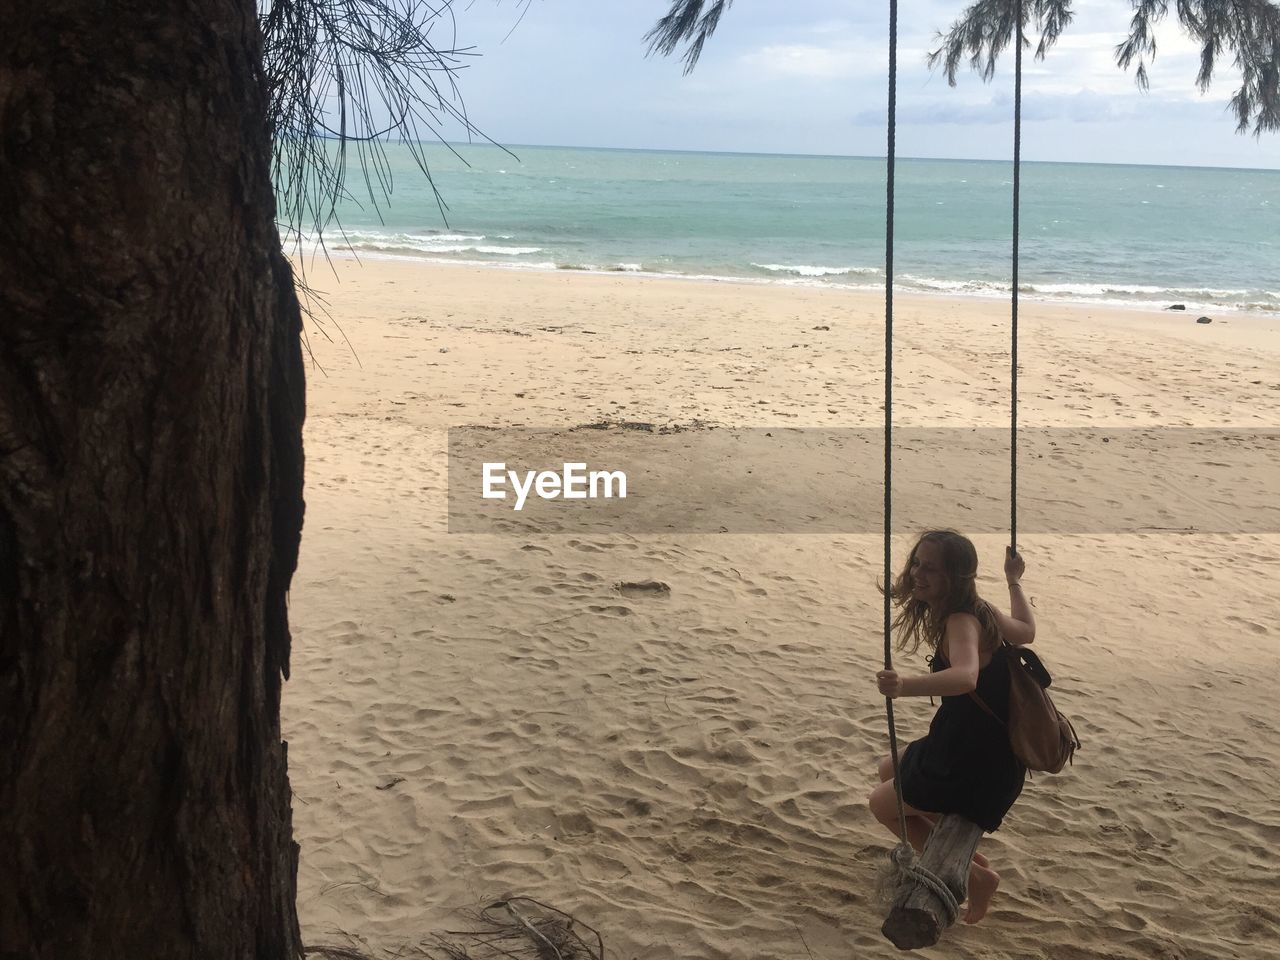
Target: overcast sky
808 76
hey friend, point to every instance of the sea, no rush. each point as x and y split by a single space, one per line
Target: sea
1153 236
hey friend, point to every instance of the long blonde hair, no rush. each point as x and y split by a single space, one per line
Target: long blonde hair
917 623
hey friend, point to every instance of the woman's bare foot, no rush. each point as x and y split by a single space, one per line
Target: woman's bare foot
983 882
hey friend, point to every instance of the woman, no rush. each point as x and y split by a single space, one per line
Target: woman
965 764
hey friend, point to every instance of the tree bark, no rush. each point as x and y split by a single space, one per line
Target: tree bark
151 406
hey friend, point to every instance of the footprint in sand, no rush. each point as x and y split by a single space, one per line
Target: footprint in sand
1257 722
615 610
635 807
644 588
1257 628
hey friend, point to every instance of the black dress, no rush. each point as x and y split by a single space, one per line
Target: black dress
965 765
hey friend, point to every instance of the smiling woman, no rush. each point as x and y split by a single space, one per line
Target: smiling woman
965 765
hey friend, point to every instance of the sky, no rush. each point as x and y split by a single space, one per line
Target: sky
809 76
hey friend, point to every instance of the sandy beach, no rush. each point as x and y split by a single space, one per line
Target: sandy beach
476 715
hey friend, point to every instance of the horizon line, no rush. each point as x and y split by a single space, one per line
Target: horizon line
842 156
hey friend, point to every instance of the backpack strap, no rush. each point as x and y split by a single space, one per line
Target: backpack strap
1005 648
991 713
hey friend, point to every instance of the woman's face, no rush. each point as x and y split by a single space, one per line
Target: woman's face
927 579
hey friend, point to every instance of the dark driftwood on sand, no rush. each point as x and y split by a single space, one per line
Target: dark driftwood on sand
919 916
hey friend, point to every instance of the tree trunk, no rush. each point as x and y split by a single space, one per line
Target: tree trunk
151 405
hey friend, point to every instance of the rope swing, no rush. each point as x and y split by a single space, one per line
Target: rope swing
905 869
1013 367
901 856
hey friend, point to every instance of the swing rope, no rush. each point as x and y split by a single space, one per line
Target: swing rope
903 855
900 859
1013 372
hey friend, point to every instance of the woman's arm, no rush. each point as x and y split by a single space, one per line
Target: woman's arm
961 639
1020 628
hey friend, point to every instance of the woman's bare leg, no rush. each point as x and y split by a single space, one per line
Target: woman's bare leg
886 776
884 805
983 881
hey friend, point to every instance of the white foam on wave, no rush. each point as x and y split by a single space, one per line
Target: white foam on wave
805 270
432 243
980 287
504 251
1150 298
418 257
596 268
454 248
1111 289
1102 294
411 239
392 246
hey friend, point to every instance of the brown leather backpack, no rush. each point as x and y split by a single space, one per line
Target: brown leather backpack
1040 735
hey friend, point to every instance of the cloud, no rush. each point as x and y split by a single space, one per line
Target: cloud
813 61
809 76
996 110
1080 106
1087 60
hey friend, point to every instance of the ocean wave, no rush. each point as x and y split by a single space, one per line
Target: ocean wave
1127 296
463 247
455 237
431 242
401 246
1092 292
613 268
1102 294
417 256
502 251
980 287
412 239
1112 289
805 270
